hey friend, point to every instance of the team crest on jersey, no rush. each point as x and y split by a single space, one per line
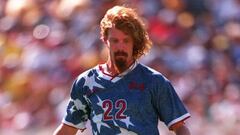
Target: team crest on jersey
134 85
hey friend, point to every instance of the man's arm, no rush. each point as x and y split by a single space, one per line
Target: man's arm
64 129
180 129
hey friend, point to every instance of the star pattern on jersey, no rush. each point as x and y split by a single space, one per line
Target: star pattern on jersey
126 132
86 98
85 117
98 120
115 124
72 110
90 82
79 105
100 102
127 121
94 133
92 90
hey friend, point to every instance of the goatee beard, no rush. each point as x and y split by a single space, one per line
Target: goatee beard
121 65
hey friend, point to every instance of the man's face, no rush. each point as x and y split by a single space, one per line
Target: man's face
121 48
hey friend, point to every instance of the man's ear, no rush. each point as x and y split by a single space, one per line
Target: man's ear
105 41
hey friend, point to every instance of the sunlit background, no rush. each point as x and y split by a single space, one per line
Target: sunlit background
45 44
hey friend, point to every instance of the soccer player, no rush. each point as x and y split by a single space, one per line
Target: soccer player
123 96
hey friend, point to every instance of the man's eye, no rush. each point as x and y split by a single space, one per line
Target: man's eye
114 40
126 41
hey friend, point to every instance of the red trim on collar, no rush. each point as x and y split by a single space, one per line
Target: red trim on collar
102 70
112 76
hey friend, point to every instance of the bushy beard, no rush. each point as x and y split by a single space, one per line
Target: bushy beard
121 63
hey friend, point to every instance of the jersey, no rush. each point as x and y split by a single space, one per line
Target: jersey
130 103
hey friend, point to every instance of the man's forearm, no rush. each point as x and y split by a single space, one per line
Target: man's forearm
64 129
183 130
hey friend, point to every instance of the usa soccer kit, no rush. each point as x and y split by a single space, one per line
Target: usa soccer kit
128 104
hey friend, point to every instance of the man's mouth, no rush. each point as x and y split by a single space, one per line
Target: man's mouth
121 54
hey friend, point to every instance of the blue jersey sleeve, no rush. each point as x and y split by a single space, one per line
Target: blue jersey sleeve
77 112
167 103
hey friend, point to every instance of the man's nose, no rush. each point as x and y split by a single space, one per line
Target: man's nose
121 46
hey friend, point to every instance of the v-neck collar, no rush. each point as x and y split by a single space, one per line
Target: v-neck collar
104 74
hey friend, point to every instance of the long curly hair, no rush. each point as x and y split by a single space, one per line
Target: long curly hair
127 20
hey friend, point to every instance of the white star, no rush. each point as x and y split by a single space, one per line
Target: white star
115 124
72 110
85 117
94 133
90 82
126 132
86 98
98 120
100 102
79 105
127 121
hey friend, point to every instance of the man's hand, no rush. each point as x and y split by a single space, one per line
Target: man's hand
180 129
64 129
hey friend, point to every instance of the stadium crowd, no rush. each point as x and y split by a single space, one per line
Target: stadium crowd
45 44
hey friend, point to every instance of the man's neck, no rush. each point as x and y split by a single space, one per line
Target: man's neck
112 69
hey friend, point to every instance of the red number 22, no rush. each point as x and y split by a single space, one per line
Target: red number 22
120 104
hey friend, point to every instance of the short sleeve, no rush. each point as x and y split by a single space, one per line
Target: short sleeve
77 112
167 103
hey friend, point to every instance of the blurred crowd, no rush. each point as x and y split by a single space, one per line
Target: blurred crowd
45 44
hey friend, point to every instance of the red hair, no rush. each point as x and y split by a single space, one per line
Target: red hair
127 20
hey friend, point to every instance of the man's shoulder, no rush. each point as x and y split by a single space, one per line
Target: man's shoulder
148 70
151 73
87 73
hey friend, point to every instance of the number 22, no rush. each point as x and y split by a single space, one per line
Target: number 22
120 104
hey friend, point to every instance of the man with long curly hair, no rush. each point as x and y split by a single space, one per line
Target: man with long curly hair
123 96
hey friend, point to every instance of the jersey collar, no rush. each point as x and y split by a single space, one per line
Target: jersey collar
102 70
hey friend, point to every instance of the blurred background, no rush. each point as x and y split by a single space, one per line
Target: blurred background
45 44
